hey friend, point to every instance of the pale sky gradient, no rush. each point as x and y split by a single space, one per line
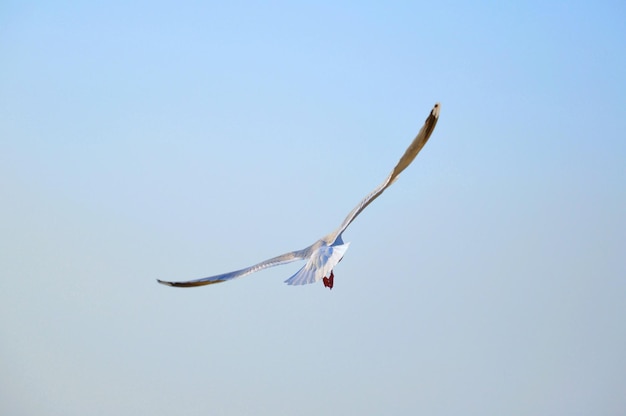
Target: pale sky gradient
184 139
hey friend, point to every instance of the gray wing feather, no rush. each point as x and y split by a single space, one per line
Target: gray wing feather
406 159
274 261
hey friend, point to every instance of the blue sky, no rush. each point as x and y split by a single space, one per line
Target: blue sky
181 140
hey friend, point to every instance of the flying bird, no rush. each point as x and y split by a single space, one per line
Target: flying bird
323 255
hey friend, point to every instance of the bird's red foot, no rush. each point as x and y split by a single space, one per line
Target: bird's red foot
328 281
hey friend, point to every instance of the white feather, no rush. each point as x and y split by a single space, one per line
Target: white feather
319 265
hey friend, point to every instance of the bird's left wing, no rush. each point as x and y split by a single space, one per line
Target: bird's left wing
275 261
411 152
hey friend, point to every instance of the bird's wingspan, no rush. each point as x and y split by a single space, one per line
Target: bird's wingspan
324 254
411 152
275 261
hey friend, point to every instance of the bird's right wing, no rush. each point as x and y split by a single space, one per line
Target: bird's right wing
411 152
275 261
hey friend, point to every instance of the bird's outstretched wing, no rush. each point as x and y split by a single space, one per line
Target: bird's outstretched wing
414 148
275 261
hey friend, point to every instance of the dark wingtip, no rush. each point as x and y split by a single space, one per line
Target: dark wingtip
189 284
435 111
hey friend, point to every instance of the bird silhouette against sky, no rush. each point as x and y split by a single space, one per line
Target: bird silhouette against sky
323 255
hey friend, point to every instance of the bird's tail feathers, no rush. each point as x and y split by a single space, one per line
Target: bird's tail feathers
319 265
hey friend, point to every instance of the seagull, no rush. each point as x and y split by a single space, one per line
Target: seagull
323 255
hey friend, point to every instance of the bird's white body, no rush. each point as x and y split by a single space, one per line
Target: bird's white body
320 264
323 255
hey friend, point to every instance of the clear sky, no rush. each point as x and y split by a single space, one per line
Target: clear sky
177 140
